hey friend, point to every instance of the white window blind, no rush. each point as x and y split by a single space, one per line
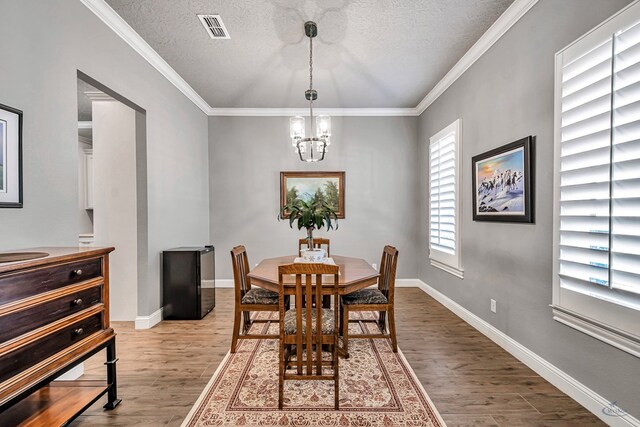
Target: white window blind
598 95
444 155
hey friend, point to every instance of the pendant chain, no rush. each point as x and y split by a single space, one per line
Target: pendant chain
311 88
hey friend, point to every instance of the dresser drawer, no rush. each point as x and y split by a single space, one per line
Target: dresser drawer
21 285
24 357
17 323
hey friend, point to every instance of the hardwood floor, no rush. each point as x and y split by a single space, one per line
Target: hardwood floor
471 380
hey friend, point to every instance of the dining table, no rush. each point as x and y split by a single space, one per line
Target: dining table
353 274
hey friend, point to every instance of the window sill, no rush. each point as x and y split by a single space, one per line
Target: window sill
599 331
459 273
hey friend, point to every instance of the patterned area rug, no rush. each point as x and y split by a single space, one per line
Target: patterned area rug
377 388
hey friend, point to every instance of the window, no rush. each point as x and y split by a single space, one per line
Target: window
597 175
444 199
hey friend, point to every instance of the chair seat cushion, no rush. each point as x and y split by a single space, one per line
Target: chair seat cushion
328 323
365 296
260 296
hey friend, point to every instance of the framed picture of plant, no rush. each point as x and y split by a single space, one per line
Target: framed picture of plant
503 184
10 157
309 186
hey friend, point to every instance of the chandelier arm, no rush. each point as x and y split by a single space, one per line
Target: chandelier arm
311 138
300 152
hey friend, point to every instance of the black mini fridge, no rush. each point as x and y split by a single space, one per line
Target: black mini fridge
188 282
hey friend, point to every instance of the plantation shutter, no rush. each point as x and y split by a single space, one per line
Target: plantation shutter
600 167
444 200
584 168
625 158
443 194
596 284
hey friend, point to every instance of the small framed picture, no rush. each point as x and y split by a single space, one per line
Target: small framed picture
503 184
10 157
308 186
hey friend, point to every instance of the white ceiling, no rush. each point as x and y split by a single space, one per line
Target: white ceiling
368 54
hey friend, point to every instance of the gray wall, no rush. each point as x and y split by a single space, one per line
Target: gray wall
379 155
39 76
506 95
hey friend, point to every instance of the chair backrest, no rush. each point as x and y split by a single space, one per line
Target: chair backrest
318 242
309 283
387 279
240 263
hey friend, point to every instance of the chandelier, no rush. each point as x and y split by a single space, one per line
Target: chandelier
314 147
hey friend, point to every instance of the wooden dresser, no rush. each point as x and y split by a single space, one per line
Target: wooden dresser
54 314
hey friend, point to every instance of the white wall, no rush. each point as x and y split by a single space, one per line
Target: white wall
379 156
115 203
85 217
38 74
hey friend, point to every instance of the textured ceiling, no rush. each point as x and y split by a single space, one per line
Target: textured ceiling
368 53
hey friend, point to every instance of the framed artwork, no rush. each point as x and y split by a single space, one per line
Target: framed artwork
10 157
503 184
312 185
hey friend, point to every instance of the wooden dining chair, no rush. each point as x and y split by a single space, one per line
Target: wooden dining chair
318 242
307 328
248 299
380 299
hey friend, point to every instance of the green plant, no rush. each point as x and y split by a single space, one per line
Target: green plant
315 213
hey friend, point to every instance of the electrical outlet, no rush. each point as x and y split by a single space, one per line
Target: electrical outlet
375 266
494 305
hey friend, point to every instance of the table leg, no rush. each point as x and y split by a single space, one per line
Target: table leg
112 393
382 317
326 301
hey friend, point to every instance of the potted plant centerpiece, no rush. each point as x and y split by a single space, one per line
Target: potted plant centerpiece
316 213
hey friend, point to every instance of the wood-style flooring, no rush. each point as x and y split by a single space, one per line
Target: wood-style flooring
471 380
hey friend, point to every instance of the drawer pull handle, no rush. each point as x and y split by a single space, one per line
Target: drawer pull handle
77 301
77 272
78 331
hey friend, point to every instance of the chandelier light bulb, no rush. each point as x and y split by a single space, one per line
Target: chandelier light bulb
323 126
296 127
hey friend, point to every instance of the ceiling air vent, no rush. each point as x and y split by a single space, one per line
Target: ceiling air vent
214 26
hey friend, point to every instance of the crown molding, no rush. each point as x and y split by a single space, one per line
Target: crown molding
507 20
273 112
114 21
119 26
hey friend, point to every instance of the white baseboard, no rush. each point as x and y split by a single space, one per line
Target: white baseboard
408 283
588 398
148 322
72 374
224 283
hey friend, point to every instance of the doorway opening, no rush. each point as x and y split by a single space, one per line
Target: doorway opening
112 196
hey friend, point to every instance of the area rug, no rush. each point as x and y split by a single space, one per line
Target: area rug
377 388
